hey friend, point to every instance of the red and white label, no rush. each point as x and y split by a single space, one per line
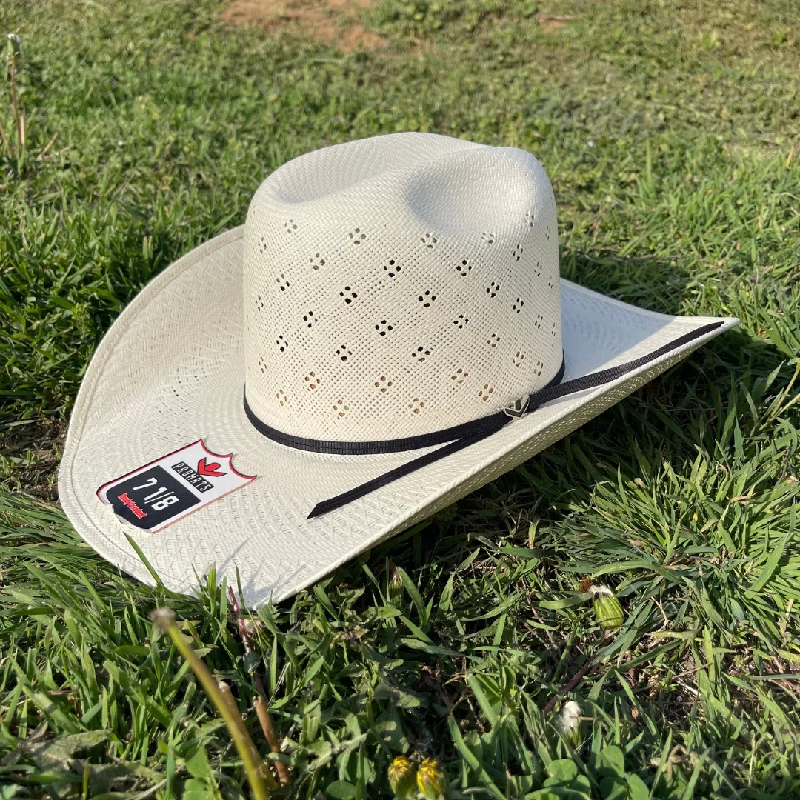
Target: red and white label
172 487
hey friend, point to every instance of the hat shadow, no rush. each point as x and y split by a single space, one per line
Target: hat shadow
256 593
653 284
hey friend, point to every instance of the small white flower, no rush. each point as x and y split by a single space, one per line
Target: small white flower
569 723
570 716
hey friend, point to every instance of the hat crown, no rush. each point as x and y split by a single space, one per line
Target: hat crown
399 285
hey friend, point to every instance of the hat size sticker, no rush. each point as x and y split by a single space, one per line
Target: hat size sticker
172 487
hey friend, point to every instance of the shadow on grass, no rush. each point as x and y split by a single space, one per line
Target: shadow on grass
653 284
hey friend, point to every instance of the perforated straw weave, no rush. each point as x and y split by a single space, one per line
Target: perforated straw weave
399 285
379 290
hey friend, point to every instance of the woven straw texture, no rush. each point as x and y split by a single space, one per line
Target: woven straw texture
398 285
172 370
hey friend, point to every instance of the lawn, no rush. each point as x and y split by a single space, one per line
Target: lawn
670 133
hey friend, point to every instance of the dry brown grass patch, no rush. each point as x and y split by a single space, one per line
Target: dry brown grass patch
324 20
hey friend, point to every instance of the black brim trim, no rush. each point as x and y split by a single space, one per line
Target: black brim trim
405 469
485 425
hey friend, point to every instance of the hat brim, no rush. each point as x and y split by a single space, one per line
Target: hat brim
169 372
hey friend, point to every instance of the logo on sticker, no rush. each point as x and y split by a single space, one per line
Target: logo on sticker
172 487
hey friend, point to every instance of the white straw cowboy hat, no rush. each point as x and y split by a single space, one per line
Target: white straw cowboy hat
386 333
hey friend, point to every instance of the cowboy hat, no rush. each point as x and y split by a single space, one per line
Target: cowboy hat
386 333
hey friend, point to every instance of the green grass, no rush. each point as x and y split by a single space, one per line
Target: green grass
670 133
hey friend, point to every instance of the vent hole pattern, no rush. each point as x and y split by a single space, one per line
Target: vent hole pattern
282 282
492 289
427 298
517 306
312 381
262 364
530 219
357 236
282 344
348 294
262 244
392 268
517 252
459 375
538 322
260 303
281 397
290 226
463 268
383 327
537 270
342 353
317 262
486 392
519 357
461 321
537 370
416 405
309 319
421 353
488 238
493 340
383 384
340 407
429 240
